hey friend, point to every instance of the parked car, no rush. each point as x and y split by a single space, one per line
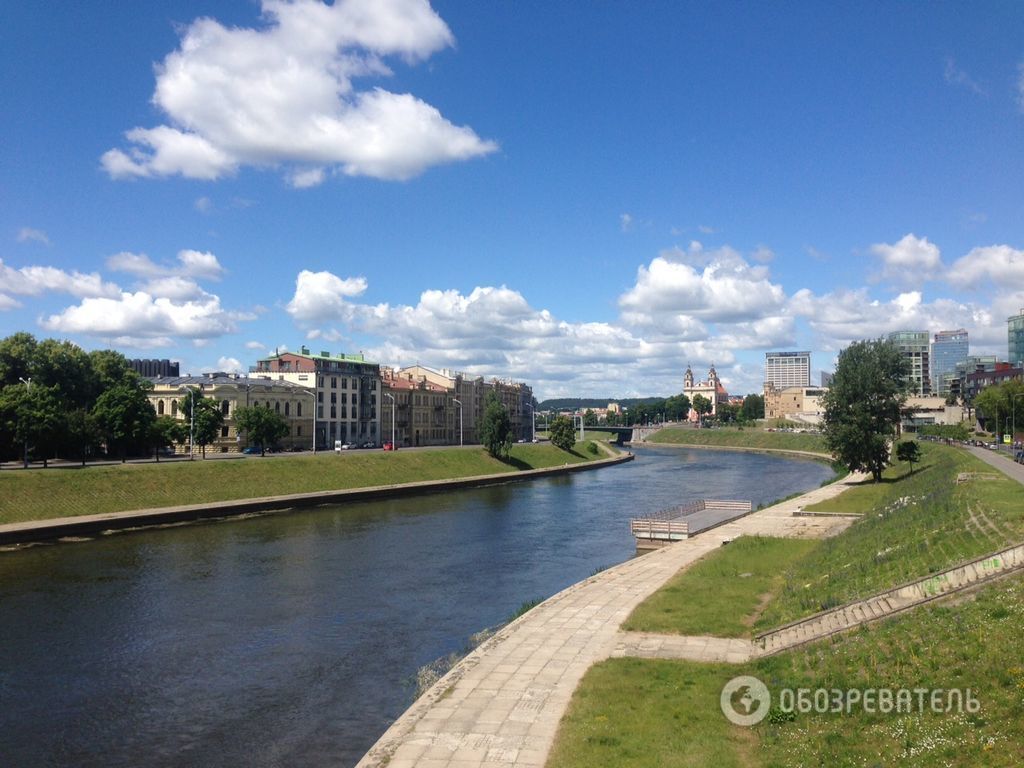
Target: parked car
369 444
389 446
251 449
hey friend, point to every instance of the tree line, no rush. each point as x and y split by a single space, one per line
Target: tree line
58 401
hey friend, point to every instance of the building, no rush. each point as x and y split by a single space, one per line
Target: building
915 348
231 392
919 411
1015 338
711 389
415 411
787 369
150 368
467 398
1000 373
948 349
801 404
346 388
958 385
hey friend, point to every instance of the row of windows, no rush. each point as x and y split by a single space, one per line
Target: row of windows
225 407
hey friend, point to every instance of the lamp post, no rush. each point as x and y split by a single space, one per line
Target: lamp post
1013 410
459 403
28 388
192 425
394 407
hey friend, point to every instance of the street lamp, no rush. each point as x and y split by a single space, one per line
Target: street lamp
1013 410
394 408
28 388
192 425
459 403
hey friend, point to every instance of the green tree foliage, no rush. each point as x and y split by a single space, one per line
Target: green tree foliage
958 432
125 418
862 407
676 408
31 417
908 451
496 428
167 431
753 408
208 418
999 404
83 434
262 426
701 405
589 418
562 433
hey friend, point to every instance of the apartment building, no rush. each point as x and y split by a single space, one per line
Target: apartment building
346 388
232 391
787 369
948 349
414 411
915 347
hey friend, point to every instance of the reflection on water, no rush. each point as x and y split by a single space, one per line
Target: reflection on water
294 639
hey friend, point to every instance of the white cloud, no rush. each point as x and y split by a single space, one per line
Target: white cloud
284 94
626 222
8 303
33 281
28 234
911 260
204 204
256 345
998 264
142 316
1020 86
228 365
191 265
321 296
727 289
956 76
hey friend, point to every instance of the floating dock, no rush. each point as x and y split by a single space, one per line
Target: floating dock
660 528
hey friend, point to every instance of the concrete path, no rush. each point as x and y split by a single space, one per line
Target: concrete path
649 645
501 705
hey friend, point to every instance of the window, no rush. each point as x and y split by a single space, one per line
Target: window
319 397
298 408
298 431
334 411
277 407
174 407
287 409
344 383
225 406
160 408
334 382
334 398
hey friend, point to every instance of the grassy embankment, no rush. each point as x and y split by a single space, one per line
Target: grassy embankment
44 494
755 438
633 712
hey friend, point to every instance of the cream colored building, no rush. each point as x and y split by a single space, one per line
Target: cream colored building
230 392
801 404
517 398
419 411
918 411
711 389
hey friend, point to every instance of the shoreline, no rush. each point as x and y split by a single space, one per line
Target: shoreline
792 451
16 535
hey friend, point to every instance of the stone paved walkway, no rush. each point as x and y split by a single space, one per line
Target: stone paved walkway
501 705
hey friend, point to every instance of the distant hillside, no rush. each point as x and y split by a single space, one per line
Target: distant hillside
582 403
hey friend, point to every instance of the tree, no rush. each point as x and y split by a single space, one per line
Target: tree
562 433
908 451
677 407
165 432
995 404
208 418
261 425
32 419
83 435
496 428
752 408
125 417
589 418
701 405
862 407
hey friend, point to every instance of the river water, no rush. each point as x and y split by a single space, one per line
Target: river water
294 639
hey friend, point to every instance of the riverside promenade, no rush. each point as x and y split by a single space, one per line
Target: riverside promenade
501 705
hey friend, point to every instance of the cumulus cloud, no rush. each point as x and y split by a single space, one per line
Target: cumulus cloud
284 94
321 297
727 289
228 365
910 260
28 234
192 265
36 280
146 319
999 264
626 222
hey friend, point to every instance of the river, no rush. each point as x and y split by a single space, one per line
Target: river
295 638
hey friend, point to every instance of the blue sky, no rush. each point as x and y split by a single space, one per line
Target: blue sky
586 196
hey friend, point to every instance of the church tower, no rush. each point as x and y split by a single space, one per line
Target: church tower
688 377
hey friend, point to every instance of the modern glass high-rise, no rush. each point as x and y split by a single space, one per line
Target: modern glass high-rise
914 346
787 369
1015 338
948 349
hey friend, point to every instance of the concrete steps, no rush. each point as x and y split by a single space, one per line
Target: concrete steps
891 601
